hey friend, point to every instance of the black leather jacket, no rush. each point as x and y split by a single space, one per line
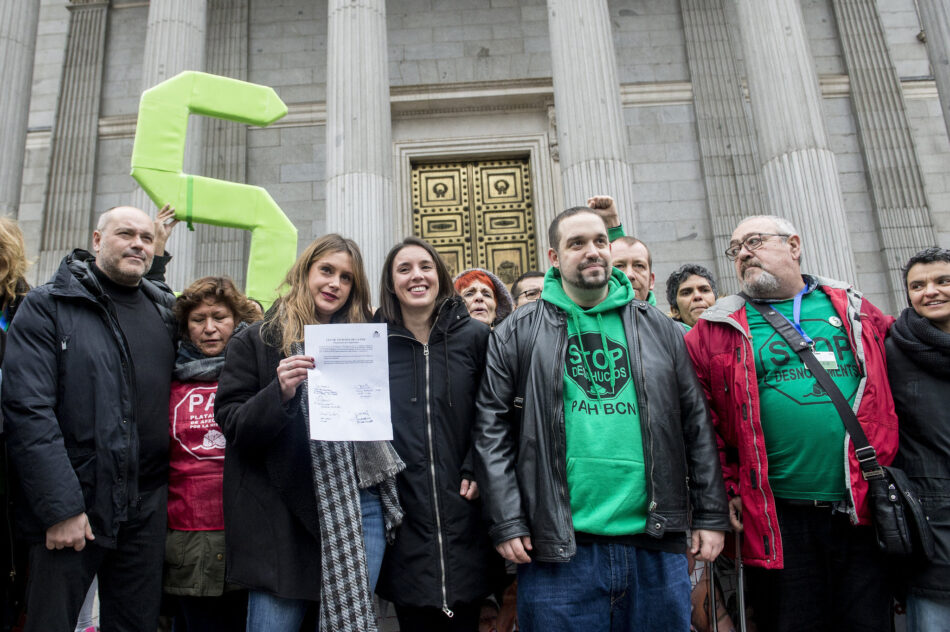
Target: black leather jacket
521 466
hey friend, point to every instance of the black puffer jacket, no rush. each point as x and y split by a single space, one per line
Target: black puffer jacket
272 531
918 366
68 382
522 473
442 556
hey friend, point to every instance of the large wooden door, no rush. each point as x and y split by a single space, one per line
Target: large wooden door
477 214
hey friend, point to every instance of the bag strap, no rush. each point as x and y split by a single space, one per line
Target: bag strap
863 450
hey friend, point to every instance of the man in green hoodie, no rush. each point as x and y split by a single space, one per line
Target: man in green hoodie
595 452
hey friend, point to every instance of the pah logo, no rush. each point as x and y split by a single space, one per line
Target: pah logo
602 363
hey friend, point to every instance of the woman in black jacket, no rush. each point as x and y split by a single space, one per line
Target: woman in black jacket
918 365
304 520
439 567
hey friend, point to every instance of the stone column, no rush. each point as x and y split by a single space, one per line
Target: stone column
18 21
68 214
798 168
222 250
897 187
174 42
592 136
726 138
935 15
359 130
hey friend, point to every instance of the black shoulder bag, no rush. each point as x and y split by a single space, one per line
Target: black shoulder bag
898 517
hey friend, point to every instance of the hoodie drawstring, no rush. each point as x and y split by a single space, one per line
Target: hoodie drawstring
608 357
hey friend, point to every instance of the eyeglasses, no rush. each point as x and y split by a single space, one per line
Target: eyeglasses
752 242
532 294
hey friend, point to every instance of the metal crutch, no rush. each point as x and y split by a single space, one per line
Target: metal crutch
740 584
711 596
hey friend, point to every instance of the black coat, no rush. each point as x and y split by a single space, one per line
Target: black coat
272 531
922 403
432 390
68 380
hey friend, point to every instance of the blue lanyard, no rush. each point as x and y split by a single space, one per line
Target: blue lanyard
797 315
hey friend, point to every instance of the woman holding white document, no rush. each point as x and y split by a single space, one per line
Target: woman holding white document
441 563
305 521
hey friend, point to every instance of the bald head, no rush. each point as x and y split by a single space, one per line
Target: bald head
117 212
124 243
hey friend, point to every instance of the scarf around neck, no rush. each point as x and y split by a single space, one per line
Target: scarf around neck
926 346
193 366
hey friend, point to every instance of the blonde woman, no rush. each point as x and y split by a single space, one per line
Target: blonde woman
296 541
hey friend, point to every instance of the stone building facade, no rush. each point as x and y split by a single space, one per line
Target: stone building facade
472 122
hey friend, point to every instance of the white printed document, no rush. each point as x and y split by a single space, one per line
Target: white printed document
349 387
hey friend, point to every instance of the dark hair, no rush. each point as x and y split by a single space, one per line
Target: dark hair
554 230
927 255
684 272
218 289
633 241
389 306
516 286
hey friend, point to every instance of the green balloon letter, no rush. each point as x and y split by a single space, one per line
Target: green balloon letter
158 158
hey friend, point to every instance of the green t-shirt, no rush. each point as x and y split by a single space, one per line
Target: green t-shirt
804 435
606 476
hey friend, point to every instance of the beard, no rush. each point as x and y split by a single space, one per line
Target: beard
764 285
111 264
577 279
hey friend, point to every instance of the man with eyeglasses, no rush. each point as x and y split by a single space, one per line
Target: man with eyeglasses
795 484
527 288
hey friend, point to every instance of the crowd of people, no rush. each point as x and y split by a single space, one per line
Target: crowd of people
562 452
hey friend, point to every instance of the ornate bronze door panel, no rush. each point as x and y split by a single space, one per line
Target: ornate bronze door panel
477 214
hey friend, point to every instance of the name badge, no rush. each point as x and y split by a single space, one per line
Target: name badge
827 360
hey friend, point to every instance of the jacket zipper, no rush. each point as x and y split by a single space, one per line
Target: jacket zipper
770 551
126 351
435 489
645 413
558 381
853 313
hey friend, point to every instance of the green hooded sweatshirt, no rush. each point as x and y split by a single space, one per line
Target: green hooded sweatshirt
605 471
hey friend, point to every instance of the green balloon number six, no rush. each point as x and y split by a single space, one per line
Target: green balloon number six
158 158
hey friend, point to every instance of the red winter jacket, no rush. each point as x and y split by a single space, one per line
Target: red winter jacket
721 349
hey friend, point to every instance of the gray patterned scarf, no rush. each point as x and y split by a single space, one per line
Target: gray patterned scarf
340 469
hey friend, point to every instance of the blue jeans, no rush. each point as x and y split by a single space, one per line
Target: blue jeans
374 532
927 615
267 613
607 587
